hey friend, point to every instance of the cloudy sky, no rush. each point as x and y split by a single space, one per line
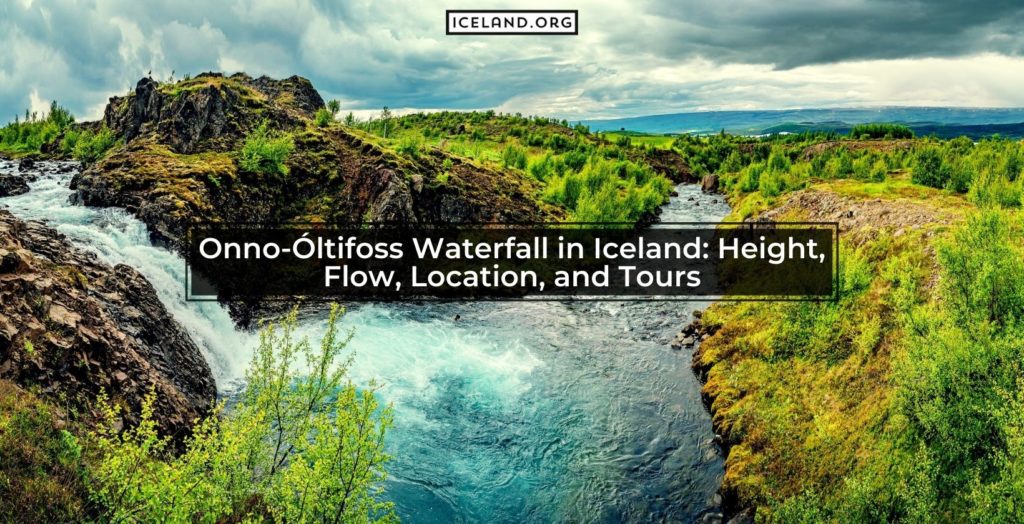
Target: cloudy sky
632 57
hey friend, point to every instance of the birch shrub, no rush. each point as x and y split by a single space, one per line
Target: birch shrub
303 444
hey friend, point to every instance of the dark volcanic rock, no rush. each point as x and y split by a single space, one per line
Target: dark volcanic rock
13 185
179 166
300 90
26 164
72 326
670 163
210 111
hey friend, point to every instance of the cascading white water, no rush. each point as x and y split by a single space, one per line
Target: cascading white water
517 412
118 238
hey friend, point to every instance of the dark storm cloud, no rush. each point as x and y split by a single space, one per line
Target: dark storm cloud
792 34
371 53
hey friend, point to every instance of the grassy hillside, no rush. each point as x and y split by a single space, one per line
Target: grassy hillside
902 402
592 178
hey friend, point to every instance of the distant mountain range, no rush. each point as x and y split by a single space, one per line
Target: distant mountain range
941 121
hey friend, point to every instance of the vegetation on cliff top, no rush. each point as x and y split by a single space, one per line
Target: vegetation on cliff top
57 128
594 180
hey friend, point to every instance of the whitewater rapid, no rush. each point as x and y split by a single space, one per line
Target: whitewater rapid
518 412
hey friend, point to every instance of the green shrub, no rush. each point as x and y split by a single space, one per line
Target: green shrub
297 447
959 383
265 151
69 141
990 189
323 117
40 465
961 175
409 146
513 157
557 142
879 170
608 191
930 169
91 147
542 167
30 134
862 167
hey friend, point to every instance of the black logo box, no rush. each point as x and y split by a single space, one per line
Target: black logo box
574 12
261 280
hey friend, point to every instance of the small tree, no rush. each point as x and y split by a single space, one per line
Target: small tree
334 106
323 117
385 120
300 446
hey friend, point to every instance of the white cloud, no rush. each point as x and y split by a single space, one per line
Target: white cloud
37 104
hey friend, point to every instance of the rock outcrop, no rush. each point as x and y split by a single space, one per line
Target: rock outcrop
179 165
210 111
71 327
670 163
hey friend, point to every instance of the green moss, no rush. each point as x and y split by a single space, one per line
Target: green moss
201 82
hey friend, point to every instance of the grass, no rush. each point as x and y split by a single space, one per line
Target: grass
899 402
40 479
200 82
641 139
544 150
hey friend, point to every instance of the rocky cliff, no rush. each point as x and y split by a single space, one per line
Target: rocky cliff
179 164
71 327
210 111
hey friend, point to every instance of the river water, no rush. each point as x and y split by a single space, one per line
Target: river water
518 412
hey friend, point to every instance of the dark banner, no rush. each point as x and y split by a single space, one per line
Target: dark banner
766 261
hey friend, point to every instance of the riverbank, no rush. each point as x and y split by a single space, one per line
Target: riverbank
834 411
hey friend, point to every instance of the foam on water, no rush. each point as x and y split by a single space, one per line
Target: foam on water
118 238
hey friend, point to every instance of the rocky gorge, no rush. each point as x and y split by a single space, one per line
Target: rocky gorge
100 326
72 327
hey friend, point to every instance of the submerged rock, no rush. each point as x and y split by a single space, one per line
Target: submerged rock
72 326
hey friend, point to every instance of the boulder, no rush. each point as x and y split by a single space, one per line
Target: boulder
709 184
26 164
210 111
11 185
